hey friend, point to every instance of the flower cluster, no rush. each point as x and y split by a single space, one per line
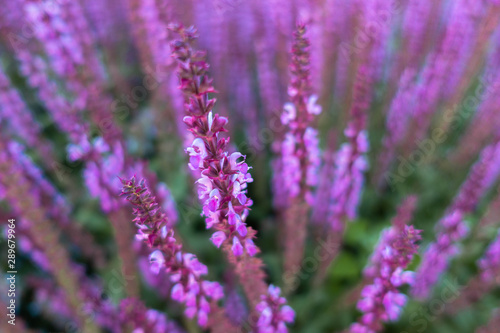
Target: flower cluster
185 270
222 187
350 160
224 177
64 52
388 236
382 301
274 315
300 155
350 164
91 91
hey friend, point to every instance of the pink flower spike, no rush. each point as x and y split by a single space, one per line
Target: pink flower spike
185 270
381 301
273 313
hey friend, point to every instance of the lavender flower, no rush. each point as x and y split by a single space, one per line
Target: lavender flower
64 51
264 38
224 176
56 205
485 120
101 174
484 173
274 315
300 153
415 23
184 268
348 179
54 300
382 301
389 235
403 65
65 114
350 161
71 58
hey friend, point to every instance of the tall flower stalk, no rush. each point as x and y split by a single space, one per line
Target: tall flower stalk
388 236
186 272
222 187
300 155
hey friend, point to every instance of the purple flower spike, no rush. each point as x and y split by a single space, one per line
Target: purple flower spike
184 268
300 154
222 186
382 301
224 177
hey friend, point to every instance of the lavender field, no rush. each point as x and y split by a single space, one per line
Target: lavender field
250 166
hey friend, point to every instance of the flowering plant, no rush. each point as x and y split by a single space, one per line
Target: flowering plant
232 166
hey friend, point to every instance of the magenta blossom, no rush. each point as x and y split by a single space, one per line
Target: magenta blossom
222 186
274 314
382 301
184 268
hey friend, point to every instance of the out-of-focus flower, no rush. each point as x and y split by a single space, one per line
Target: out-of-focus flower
274 314
382 301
